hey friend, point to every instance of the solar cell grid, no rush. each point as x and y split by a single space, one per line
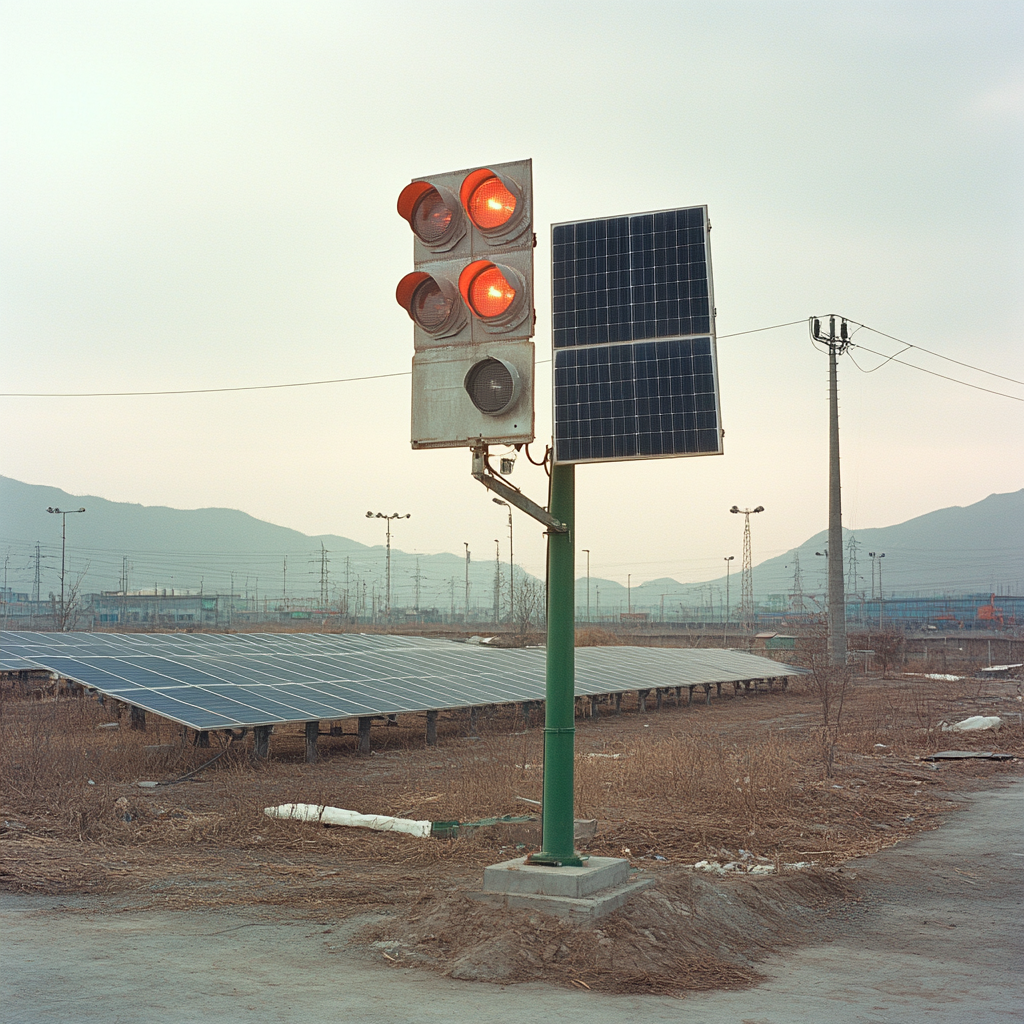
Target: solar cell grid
633 334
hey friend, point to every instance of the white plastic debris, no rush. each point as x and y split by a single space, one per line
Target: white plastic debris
338 816
763 867
976 723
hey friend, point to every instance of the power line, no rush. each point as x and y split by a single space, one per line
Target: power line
198 391
938 355
914 366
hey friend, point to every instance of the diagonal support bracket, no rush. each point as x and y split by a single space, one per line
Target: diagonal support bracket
513 495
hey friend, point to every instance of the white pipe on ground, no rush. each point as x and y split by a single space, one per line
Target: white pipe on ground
339 816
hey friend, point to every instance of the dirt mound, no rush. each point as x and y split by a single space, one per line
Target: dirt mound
686 934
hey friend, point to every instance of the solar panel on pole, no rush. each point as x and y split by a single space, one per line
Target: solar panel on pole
635 364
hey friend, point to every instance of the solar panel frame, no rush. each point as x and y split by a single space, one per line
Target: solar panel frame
222 681
635 366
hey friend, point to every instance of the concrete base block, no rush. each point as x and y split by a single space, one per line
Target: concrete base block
516 876
581 909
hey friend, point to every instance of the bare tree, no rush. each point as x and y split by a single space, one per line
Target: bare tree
529 604
66 618
829 684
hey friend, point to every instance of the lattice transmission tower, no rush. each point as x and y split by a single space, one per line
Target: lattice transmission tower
747 583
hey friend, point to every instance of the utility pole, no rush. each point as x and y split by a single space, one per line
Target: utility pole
586 551
629 593
284 584
747 581
497 581
35 585
466 545
837 345
876 559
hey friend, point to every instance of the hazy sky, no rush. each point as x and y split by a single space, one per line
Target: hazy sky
203 195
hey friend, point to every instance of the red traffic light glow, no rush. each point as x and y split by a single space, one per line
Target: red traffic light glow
432 216
486 290
486 199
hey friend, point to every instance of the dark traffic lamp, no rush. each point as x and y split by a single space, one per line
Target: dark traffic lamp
470 298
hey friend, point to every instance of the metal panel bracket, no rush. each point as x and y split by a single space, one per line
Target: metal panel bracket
512 494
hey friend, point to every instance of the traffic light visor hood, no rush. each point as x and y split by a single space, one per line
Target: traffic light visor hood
434 214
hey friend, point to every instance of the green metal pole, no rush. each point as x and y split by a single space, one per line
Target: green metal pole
557 838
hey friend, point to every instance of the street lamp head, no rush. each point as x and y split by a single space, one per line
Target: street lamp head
369 515
53 510
735 508
729 558
760 508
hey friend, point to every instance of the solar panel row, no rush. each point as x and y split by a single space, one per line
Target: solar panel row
218 681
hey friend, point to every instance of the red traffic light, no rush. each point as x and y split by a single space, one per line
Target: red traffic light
431 303
486 290
488 201
433 214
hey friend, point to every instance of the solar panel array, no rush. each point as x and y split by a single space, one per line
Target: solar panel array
633 331
220 681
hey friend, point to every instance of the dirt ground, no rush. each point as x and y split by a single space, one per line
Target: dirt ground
742 782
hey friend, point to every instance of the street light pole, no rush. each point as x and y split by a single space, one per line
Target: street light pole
387 592
586 551
63 544
511 565
629 593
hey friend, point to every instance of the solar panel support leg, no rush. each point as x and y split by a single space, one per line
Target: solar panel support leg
618 703
689 696
312 734
661 693
678 693
364 734
202 738
261 742
431 729
707 694
641 699
138 719
473 713
594 707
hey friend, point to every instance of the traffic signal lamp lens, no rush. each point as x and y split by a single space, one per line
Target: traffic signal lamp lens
490 204
487 291
431 303
431 217
430 307
493 385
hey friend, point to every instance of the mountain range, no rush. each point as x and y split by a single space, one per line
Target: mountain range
973 549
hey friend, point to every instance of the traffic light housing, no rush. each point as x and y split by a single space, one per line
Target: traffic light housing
471 301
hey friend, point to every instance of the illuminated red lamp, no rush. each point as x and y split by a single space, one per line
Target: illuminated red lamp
487 199
486 290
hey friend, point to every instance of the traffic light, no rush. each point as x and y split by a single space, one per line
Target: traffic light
470 299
